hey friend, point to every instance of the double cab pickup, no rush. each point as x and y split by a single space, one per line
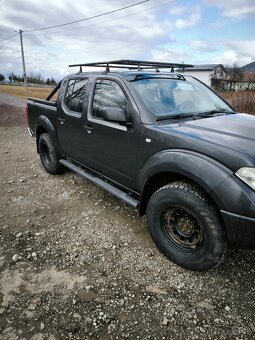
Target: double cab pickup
164 143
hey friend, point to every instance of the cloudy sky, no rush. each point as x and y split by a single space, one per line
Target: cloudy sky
202 31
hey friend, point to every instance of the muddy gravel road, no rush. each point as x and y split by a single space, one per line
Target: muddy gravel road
76 263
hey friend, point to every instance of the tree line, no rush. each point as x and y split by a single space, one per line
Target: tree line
32 78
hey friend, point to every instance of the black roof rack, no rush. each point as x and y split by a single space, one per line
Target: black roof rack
132 65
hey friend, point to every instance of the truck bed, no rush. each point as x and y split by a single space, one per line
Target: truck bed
44 108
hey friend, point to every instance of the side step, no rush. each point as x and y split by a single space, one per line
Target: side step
98 181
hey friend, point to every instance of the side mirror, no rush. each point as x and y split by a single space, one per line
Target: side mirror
114 114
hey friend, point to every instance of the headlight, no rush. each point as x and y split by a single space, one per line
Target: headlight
247 175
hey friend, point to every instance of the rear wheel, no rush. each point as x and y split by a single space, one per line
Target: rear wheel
186 227
48 154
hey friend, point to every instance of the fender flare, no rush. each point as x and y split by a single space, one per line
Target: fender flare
202 170
45 123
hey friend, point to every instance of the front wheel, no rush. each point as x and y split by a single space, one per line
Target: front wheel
186 227
48 154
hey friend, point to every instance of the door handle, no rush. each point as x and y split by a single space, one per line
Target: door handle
62 120
88 128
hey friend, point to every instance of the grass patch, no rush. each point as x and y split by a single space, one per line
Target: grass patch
243 101
20 91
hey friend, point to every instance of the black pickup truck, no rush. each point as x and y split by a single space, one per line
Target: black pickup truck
162 142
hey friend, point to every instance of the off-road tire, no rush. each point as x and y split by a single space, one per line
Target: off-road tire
48 155
202 245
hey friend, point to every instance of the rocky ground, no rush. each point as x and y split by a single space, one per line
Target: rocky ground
76 263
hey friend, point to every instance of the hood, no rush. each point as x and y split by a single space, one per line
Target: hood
228 139
235 131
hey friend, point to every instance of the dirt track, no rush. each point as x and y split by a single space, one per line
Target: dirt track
77 263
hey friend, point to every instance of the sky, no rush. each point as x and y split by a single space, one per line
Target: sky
189 31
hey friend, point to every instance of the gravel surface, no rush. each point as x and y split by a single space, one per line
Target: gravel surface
76 263
12 110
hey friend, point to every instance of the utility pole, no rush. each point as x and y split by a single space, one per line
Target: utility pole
23 59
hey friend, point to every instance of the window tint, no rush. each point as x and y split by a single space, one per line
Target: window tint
75 94
107 94
69 91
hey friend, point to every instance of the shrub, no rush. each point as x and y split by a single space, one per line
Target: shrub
242 101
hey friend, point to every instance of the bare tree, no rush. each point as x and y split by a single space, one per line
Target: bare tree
234 72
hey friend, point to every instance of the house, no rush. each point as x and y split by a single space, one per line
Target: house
207 73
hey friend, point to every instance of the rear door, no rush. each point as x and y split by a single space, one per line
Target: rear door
71 110
111 148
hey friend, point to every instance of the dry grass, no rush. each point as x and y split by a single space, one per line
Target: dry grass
36 92
243 101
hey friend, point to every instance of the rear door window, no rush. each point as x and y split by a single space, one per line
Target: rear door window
76 94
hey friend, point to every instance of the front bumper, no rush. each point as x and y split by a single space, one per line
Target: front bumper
236 201
240 230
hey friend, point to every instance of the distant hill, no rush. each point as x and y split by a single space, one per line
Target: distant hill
249 67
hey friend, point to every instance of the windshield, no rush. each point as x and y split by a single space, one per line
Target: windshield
170 97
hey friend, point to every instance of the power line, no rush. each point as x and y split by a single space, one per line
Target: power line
9 42
106 21
77 21
102 22
89 18
9 37
80 20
